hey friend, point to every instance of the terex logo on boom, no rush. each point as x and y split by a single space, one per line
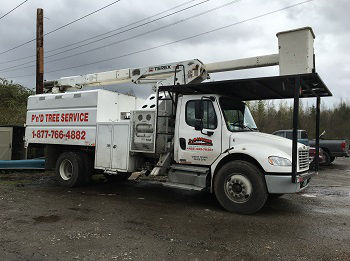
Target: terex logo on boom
160 68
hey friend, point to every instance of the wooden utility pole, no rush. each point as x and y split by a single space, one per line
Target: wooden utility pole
39 51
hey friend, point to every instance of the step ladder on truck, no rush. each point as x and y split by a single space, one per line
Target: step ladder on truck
193 134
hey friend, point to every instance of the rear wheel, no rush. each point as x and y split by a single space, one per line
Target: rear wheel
70 169
240 187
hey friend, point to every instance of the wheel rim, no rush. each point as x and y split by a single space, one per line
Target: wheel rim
238 188
66 169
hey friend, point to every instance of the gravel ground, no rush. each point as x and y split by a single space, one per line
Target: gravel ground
141 221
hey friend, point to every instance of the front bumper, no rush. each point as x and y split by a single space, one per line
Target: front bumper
282 184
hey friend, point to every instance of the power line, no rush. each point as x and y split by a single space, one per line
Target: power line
19 66
176 41
122 27
104 38
96 36
13 9
83 17
135 27
61 27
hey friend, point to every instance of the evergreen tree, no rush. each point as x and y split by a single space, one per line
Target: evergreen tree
13 103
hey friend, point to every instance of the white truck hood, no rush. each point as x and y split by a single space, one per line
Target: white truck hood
269 140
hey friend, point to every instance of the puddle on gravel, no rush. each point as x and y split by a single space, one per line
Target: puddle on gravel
47 219
308 195
14 182
332 211
334 191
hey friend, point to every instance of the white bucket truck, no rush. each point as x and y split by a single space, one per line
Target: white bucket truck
194 135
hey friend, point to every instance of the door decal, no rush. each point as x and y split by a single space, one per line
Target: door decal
200 141
200 144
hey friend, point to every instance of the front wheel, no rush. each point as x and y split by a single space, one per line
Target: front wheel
240 187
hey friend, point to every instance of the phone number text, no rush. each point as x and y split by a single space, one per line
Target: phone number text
59 134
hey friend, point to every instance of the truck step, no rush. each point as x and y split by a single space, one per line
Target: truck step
188 175
189 168
182 186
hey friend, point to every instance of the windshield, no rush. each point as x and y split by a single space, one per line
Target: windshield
237 115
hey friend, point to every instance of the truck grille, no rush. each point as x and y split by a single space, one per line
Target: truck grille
303 159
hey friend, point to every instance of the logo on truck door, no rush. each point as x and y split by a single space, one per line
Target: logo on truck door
200 144
200 141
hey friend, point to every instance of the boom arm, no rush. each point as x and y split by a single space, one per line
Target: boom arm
165 74
295 56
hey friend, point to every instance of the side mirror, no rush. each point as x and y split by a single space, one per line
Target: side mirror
322 134
198 125
198 111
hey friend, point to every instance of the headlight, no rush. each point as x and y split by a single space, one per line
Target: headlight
279 161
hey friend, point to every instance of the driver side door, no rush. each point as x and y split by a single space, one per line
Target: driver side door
200 147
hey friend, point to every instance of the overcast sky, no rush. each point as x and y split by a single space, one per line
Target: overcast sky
328 18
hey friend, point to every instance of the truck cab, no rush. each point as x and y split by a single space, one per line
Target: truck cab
220 133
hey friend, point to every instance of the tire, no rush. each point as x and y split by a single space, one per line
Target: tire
332 158
240 187
70 169
328 159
